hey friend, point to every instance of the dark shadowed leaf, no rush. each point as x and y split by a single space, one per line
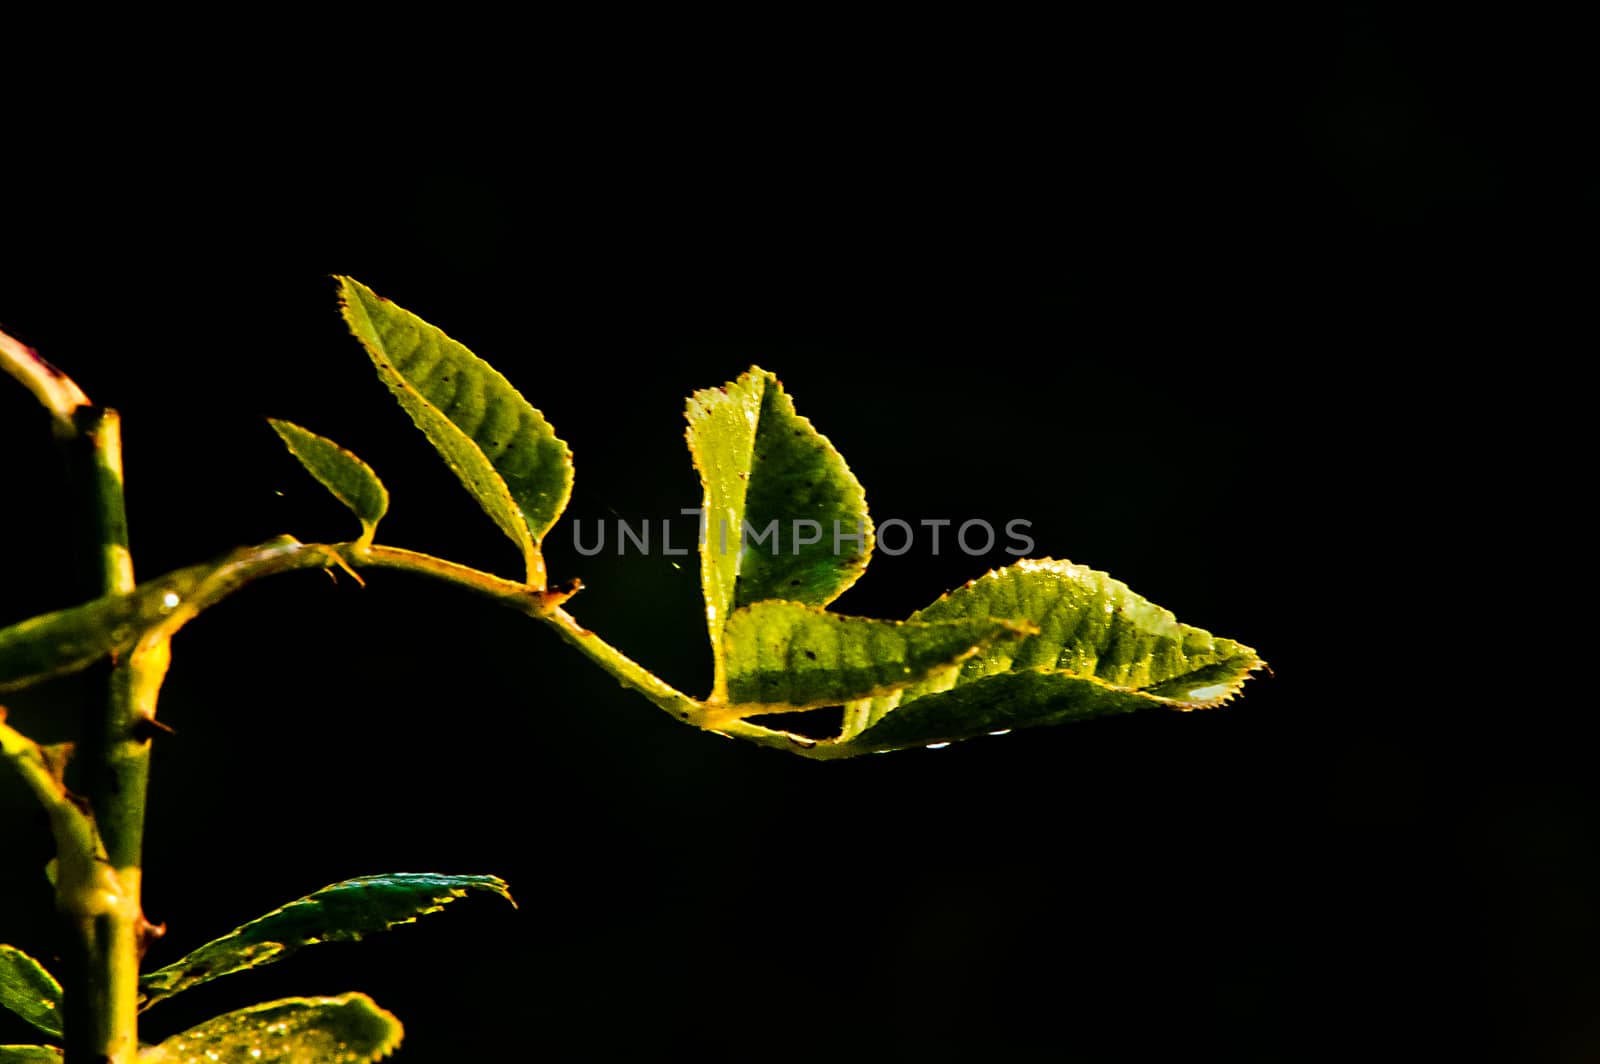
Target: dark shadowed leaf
998 704
342 912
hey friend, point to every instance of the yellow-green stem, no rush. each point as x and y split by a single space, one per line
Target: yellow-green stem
113 758
286 553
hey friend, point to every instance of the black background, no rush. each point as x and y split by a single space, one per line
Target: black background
1206 300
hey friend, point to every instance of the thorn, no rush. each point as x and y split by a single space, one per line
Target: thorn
146 728
56 756
338 559
549 600
147 933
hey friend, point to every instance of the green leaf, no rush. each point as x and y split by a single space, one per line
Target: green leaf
74 638
30 991
349 1029
768 474
502 449
1094 625
343 912
997 704
350 479
1099 648
788 656
30 1055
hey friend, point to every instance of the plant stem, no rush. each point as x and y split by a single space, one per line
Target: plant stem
199 587
286 553
98 858
54 389
113 757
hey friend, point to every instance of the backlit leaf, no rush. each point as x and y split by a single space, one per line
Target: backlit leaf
343 912
30 1055
786 656
349 1029
784 517
350 479
30 991
1099 648
998 704
501 448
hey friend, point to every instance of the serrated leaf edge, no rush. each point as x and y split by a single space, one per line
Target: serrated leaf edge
523 536
269 952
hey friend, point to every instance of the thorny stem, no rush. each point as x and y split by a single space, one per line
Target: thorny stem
100 850
101 1009
285 554
547 607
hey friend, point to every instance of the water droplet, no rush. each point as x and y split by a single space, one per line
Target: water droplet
169 601
937 746
1202 694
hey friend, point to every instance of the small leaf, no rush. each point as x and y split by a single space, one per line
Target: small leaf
349 1029
343 912
30 1055
1099 648
76 637
788 656
30 991
350 479
768 474
501 448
